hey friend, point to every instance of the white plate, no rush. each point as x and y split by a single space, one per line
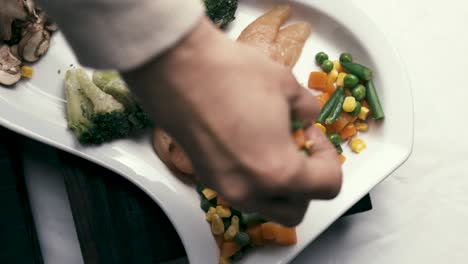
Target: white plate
36 109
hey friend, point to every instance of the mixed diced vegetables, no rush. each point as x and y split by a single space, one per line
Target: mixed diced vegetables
235 232
347 97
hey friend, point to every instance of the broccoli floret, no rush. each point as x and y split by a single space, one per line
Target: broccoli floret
93 116
112 83
221 12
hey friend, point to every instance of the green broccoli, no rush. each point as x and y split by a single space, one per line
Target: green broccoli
221 12
112 83
93 116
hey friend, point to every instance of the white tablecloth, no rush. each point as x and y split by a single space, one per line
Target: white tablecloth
420 213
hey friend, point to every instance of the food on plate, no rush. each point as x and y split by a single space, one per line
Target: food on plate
10 71
221 12
25 31
93 116
282 45
347 97
289 43
112 83
234 231
101 109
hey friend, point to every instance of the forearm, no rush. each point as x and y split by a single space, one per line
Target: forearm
123 34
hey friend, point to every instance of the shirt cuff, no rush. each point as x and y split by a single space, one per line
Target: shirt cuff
123 34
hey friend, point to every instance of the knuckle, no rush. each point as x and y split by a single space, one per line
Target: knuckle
274 172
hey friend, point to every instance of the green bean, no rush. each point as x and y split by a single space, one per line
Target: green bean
335 113
360 71
330 105
374 101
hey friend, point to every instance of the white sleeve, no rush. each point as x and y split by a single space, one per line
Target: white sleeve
122 34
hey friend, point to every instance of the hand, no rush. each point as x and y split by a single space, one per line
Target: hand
230 107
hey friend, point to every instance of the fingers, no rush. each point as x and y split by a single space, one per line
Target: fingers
285 212
304 106
318 176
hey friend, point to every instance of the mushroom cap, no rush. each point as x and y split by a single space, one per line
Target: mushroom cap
9 67
34 44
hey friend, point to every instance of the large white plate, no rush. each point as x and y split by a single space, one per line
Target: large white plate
36 109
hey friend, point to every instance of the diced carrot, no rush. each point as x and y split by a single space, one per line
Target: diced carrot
286 236
318 81
299 138
330 129
342 121
222 202
219 240
348 131
323 99
269 230
342 158
229 248
255 234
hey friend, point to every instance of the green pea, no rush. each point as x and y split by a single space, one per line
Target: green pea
327 66
359 92
242 239
205 205
321 57
350 81
335 139
346 57
357 110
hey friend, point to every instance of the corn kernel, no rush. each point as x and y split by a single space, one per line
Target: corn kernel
332 76
361 126
364 113
209 194
27 72
340 80
357 145
349 104
217 226
337 66
321 127
230 233
223 211
235 222
210 213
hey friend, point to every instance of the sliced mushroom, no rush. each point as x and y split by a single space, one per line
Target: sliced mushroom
11 10
34 44
9 67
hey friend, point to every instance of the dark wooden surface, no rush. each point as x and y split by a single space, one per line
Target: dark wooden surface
18 240
116 222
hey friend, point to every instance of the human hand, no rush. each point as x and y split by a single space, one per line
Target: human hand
230 107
